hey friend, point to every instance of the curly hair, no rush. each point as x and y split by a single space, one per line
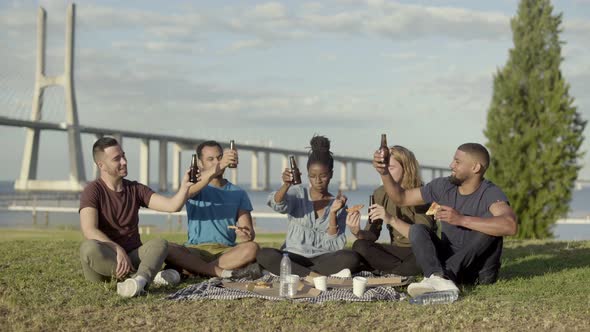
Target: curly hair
320 152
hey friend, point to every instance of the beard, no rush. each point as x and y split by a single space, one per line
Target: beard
455 180
118 172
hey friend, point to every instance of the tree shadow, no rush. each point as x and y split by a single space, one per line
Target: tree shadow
530 260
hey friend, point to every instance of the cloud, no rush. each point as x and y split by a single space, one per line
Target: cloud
20 18
168 47
398 20
272 22
410 57
269 10
246 44
344 22
576 29
117 18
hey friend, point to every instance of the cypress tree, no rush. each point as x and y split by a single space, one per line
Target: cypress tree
533 129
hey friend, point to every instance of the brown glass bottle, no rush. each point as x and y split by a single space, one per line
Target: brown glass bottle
384 149
371 202
295 170
232 146
194 170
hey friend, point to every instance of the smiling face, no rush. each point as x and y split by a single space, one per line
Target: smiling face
319 176
462 167
113 162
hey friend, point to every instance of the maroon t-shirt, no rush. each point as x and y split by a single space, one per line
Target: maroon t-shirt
118 215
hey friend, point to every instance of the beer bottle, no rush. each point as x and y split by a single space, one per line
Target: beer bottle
295 170
371 202
384 149
194 170
232 146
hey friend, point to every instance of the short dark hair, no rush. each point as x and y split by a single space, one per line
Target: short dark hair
478 151
207 143
101 144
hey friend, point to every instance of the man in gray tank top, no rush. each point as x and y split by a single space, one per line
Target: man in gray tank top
475 214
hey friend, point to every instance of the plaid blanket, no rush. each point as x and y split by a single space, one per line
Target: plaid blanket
213 289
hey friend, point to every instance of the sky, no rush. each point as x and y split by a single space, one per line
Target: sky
275 73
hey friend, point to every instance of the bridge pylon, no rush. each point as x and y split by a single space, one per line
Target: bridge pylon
28 177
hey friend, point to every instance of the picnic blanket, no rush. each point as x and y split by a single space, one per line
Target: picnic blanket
214 290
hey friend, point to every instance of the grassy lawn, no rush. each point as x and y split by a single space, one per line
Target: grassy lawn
544 285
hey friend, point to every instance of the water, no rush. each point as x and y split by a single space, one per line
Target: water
579 208
286 287
436 298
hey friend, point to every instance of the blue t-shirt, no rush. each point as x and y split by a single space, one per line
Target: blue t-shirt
212 210
476 204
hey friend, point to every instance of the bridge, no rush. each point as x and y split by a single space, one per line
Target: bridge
179 144
28 181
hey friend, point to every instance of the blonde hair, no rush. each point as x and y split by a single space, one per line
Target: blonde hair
411 175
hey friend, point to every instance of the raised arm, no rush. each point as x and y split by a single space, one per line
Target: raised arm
204 179
287 178
229 157
397 195
172 204
503 222
89 227
278 200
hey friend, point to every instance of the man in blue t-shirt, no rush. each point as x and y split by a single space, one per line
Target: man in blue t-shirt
475 214
218 213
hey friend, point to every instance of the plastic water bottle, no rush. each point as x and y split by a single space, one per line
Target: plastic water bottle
285 285
443 297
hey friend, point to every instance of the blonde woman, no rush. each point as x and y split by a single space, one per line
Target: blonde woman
396 257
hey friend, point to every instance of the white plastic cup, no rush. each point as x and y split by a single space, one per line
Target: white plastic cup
321 283
293 282
358 286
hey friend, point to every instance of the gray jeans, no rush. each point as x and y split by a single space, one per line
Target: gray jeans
99 261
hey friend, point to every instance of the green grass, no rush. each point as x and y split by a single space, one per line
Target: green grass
544 285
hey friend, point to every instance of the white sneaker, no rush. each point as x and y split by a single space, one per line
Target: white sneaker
169 277
345 273
268 273
432 284
128 288
441 284
419 288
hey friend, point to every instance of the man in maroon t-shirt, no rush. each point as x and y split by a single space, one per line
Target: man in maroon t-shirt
109 219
